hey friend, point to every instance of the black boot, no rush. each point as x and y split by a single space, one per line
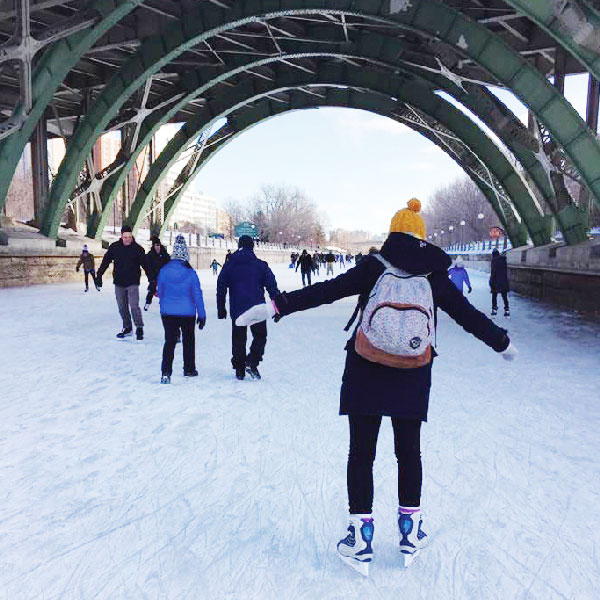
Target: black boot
192 373
139 333
127 331
240 373
253 372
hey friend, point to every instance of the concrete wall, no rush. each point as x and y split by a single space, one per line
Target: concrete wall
29 265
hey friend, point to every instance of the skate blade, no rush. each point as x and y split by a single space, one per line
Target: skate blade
407 559
357 565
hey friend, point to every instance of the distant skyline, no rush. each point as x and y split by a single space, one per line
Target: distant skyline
357 167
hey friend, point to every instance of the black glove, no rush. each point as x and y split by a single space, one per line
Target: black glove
470 290
222 313
201 322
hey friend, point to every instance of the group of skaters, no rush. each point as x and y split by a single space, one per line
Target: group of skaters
389 356
310 264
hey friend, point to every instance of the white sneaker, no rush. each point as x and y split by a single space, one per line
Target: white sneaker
355 549
412 536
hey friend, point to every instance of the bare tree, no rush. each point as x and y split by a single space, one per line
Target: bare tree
19 200
459 202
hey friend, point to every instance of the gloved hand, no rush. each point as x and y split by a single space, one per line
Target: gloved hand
77 269
470 290
201 322
257 314
222 314
510 353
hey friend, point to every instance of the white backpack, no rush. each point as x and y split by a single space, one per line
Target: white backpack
397 327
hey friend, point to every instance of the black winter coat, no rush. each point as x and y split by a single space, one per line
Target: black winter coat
155 262
499 274
373 389
128 260
305 262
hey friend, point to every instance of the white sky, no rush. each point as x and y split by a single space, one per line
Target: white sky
359 168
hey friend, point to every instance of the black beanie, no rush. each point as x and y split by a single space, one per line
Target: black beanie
246 241
126 229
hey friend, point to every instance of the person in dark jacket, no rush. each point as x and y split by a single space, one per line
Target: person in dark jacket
330 261
87 260
128 258
181 305
499 282
371 390
246 278
156 259
305 262
228 255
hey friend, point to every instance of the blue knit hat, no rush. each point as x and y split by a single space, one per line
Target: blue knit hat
180 249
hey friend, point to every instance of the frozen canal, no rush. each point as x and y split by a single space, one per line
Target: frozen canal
113 486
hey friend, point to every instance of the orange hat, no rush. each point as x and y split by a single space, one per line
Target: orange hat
408 220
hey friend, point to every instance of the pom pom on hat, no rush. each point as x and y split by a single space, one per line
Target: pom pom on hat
409 221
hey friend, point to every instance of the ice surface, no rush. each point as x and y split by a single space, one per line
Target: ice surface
113 486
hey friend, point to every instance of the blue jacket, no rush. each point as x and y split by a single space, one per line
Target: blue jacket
246 277
179 291
459 277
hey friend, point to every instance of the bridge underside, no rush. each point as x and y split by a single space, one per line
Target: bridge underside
77 69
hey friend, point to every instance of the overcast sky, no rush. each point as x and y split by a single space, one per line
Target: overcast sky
358 168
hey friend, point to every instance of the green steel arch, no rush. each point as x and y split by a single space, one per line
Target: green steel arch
482 103
49 74
429 17
249 116
422 97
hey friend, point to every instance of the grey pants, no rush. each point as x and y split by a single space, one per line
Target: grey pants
129 297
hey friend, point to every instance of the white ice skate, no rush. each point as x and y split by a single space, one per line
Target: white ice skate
355 549
412 536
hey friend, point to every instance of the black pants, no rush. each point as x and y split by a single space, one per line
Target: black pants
151 292
172 324
364 430
306 274
238 344
495 300
86 275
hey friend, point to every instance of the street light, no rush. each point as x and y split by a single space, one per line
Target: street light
462 231
451 229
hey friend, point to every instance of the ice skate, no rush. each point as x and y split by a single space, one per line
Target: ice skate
506 312
412 536
146 306
355 549
139 333
240 373
127 331
192 373
494 312
253 372
165 379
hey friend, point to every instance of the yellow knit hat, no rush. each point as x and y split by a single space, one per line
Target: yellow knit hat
408 220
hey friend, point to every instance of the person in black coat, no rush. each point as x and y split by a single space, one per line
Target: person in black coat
499 282
246 278
371 390
128 258
156 258
305 262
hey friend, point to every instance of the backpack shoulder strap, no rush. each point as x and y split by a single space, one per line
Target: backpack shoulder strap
384 262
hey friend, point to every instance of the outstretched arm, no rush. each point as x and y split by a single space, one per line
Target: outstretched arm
451 301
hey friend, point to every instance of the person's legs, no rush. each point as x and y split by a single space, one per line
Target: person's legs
505 300
303 278
86 275
494 300
123 304
187 325
308 276
407 444
150 294
364 430
238 346
171 326
133 297
259 341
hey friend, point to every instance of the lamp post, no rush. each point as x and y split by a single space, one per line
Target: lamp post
450 229
462 232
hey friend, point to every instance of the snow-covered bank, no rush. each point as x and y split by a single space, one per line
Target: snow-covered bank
113 486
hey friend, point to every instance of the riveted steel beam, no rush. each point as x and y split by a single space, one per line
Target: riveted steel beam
54 65
390 91
431 18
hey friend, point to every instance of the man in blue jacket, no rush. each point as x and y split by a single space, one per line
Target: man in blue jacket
246 277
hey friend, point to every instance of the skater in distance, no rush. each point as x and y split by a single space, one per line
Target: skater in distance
87 260
389 360
499 282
